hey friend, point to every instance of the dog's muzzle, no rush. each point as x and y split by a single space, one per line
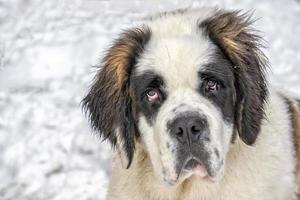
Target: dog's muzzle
190 131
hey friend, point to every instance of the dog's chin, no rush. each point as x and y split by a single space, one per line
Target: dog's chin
194 168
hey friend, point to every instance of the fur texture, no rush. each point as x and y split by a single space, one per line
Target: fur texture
109 101
184 99
294 109
232 32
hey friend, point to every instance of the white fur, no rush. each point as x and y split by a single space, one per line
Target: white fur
156 136
177 50
264 171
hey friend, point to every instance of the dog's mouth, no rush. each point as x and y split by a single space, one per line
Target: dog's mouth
189 165
192 166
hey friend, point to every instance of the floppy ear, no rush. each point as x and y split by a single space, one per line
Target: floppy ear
109 102
232 33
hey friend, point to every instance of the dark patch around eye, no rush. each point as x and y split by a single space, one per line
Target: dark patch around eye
220 70
141 84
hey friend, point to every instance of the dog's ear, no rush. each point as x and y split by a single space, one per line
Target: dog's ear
109 103
233 34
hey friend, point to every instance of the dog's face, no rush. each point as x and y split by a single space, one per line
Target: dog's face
182 86
185 97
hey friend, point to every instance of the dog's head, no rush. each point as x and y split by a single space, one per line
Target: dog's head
183 85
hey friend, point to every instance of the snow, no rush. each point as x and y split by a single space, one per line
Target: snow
47 50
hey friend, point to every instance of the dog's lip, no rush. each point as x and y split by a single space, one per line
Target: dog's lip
192 166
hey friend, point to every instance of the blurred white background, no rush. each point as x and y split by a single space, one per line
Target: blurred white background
47 50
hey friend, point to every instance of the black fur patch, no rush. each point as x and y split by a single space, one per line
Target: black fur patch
109 103
232 33
140 85
221 70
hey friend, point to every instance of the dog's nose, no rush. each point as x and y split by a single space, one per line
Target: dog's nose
188 128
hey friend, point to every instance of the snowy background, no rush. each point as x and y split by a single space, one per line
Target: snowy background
47 48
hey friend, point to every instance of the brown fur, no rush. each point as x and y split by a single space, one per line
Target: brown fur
119 57
233 32
294 109
109 103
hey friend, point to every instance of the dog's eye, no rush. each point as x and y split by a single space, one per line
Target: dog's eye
153 95
211 85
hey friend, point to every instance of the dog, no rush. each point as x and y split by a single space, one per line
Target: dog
184 100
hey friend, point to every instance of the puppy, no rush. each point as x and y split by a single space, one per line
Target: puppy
184 100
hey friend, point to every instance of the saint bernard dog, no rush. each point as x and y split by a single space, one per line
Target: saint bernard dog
184 100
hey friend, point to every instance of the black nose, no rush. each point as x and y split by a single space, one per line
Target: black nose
188 128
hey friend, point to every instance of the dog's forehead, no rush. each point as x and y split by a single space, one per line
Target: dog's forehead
178 47
177 57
